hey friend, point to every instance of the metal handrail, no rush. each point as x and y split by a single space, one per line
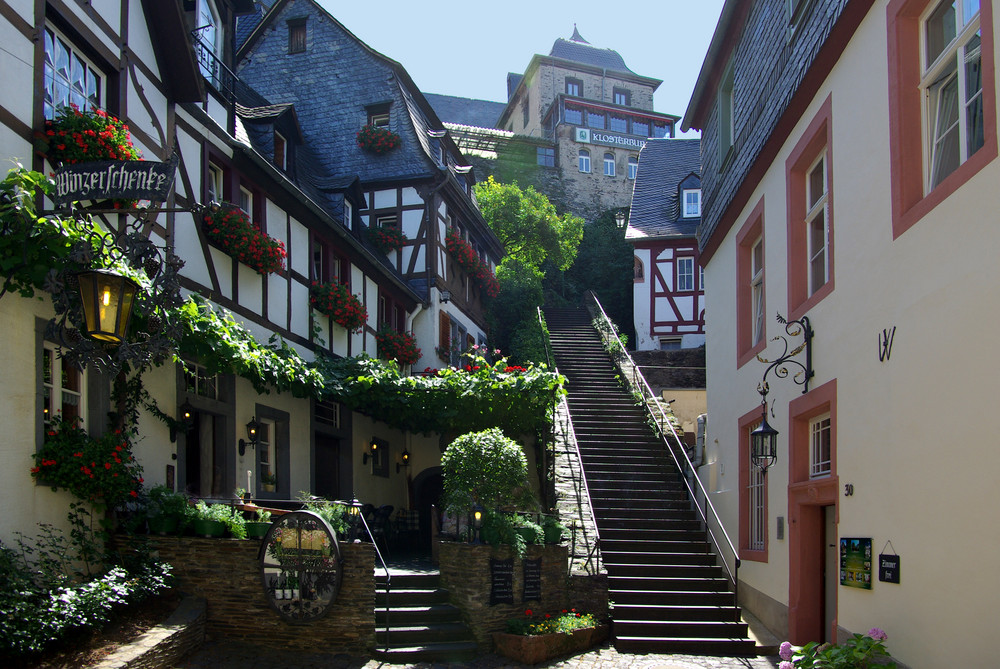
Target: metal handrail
545 339
639 381
583 477
388 576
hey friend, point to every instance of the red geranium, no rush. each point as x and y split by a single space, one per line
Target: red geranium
335 300
467 258
230 229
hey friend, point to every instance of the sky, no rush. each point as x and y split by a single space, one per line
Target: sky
466 49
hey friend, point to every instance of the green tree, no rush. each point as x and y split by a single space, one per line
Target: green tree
485 468
528 225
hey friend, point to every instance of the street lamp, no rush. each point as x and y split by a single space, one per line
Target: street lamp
620 219
354 518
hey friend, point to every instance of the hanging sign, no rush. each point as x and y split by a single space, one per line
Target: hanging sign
856 563
114 179
888 565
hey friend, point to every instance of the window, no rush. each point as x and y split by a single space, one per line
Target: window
387 221
267 463
573 116
618 124
750 287
757 292
246 201
753 495
378 115
214 184
595 120
727 126
633 167
209 41
327 412
638 271
199 381
692 203
952 82
279 151
661 130
62 388
810 215
69 77
296 36
348 214
685 274
609 164
942 110
326 266
584 160
819 452
574 87
546 156
670 343
816 223
640 128
621 97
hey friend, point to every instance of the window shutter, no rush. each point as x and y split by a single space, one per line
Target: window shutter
444 327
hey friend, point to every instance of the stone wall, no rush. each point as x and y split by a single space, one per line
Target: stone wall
465 573
226 573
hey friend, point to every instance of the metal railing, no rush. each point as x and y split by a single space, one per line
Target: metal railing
638 383
385 567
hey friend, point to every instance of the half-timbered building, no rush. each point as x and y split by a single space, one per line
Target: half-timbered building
669 301
337 85
167 70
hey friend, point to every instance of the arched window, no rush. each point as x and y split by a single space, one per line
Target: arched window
637 269
609 164
584 160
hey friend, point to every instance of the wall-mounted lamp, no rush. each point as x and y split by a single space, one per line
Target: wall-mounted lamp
354 518
107 304
253 430
185 419
371 453
445 297
620 219
764 440
405 457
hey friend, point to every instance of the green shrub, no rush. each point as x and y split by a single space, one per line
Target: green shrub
333 513
230 516
488 469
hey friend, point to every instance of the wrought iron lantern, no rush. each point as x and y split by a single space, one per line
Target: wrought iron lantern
764 439
253 431
107 300
477 523
371 453
184 420
620 219
405 457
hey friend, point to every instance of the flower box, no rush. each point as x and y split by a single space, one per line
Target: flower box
377 140
386 238
470 262
543 647
335 300
398 346
230 229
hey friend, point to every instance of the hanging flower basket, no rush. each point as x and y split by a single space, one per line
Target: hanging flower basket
76 136
230 229
377 140
336 301
470 262
398 346
386 238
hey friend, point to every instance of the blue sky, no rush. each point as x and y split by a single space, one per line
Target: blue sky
467 49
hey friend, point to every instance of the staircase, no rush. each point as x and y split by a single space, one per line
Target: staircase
669 594
420 624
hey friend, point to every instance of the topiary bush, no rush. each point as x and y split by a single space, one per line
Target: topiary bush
485 468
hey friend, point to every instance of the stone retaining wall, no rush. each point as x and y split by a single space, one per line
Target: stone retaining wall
226 573
164 645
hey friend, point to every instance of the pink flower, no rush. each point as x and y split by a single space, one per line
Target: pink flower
785 664
785 651
878 634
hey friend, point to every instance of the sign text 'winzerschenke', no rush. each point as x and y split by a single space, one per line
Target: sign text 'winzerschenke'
114 179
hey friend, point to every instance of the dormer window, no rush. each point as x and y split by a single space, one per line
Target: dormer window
296 35
692 203
280 151
378 115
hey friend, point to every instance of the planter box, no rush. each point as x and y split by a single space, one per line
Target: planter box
535 649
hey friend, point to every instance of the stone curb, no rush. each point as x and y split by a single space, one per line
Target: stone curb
164 645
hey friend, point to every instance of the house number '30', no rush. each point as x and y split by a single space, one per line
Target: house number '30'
848 489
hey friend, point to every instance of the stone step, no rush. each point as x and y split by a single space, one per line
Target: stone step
422 634
735 647
452 651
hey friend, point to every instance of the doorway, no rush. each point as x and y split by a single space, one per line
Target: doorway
831 573
327 466
427 487
204 461
814 572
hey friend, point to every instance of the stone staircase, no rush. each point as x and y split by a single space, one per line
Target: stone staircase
420 624
669 594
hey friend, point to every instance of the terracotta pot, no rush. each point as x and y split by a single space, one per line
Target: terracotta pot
542 647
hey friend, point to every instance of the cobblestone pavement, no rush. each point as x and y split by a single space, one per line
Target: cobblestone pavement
229 655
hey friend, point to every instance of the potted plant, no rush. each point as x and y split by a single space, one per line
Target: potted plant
398 346
258 528
268 480
336 300
212 520
377 139
386 238
166 511
553 529
536 638
529 530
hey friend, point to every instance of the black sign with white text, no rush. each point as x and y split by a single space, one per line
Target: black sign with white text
501 581
888 568
114 179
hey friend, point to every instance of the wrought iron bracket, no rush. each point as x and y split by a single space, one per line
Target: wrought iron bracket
784 364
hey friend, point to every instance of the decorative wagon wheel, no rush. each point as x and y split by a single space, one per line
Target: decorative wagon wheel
300 566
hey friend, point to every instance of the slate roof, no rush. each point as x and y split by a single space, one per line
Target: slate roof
664 166
246 23
583 52
466 111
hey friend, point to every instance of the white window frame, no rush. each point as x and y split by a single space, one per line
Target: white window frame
944 73
348 214
583 160
818 224
609 164
692 202
757 290
820 447
756 506
379 120
57 395
633 167
246 201
78 80
266 451
215 185
575 83
685 274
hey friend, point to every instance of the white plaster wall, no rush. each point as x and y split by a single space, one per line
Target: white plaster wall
277 299
299 305
298 248
913 433
384 199
640 301
410 196
250 282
